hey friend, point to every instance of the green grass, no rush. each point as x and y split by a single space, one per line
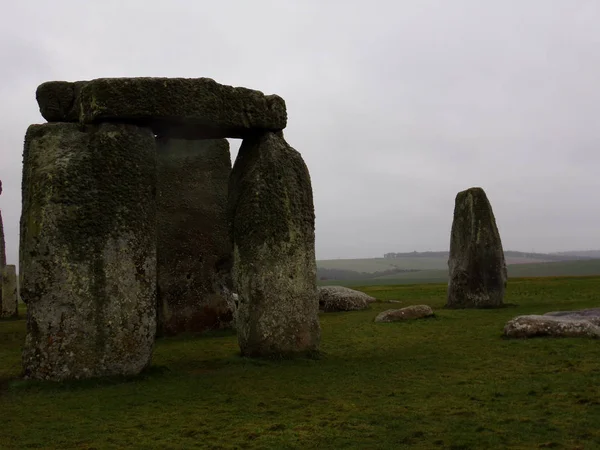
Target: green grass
449 382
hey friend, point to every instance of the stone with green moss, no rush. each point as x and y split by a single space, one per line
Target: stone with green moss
176 107
10 296
271 207
194 244
88 250
477 268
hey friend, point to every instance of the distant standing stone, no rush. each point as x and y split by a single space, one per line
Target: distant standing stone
410 312
10 293
2 248
271 205
477 269
88 250
340 298
194 243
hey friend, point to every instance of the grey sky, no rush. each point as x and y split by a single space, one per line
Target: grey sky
395 105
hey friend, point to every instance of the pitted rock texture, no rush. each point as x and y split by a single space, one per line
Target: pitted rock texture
592 315
340 298
194 242
271 206
408 313
174 107
88 250
553 326
10 296
477 269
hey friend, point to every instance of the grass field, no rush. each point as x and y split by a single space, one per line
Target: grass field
449 382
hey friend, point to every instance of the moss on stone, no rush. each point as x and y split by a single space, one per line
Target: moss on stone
88 249
194 243
272 215
476 264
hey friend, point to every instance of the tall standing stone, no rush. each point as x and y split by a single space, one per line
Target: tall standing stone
2 248
271 204
88 250
476 264
10 293
194 244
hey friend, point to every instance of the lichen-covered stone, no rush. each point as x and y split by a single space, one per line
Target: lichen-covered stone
477 269
10 296
340 298
57 100
410 312
272 210
176 107
551 326
194 243
88 250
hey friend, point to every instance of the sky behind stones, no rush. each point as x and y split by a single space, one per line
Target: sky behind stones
395 105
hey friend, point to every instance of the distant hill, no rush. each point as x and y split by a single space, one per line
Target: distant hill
587 267
583 253
433 266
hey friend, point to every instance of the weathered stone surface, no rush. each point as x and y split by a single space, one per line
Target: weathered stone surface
2 248
477 269
88 250
271 206
340 298
554 326
410 312
10 297
194 242
591 315
57 100
181 107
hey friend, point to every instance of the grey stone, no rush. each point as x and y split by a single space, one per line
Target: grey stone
592 315
410 312
58 100
477 269
271 206
340 298
10 293
194 243
553 326
88 250
175 107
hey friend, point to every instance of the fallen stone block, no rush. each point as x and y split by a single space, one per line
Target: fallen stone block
194 240
10 293
340 298
88 250
477 269
408 313
272 212
552 326
173 107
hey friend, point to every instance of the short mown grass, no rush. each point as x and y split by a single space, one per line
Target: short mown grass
448 382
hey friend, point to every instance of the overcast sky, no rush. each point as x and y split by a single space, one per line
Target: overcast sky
395 105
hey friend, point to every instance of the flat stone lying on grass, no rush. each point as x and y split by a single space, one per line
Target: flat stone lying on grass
340 298
552 326
185 107
410 312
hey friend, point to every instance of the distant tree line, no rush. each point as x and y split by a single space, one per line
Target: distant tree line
507 253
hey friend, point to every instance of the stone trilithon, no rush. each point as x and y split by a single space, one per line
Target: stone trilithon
131 214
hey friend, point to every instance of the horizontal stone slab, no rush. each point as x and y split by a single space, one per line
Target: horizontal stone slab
174 107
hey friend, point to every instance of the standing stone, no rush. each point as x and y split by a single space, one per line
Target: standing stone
274 246
88 250
10 293
194 243
477 267
2 248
